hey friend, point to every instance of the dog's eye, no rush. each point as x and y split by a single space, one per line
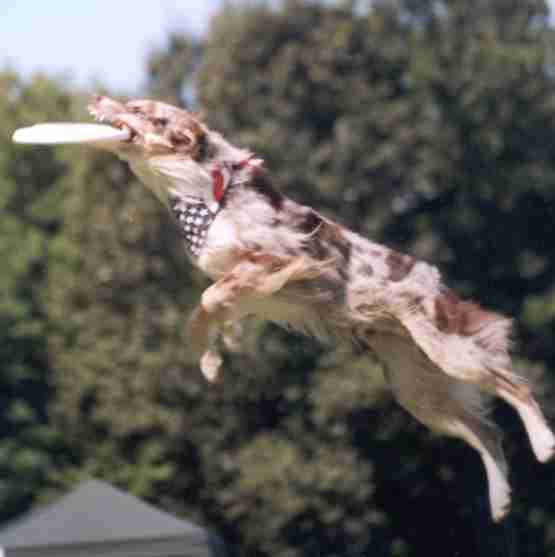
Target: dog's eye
180 138
160 121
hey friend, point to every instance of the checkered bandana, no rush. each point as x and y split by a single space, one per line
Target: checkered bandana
194 218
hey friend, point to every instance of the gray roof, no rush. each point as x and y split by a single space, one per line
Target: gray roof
97 513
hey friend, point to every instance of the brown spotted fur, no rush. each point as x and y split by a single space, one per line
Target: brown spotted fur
271 257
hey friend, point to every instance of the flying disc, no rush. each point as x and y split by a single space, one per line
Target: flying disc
58 133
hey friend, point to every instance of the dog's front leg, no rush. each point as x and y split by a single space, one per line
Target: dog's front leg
234 296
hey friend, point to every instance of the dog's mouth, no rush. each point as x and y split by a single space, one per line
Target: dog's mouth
156 128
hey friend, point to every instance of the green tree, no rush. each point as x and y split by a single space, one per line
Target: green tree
401 124
170 69
424 124
30 194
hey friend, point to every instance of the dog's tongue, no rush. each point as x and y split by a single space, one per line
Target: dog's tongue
60 133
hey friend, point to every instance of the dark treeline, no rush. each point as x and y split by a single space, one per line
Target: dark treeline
427 125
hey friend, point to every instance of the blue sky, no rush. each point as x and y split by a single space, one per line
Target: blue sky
107 40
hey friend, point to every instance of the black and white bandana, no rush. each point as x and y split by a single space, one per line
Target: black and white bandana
194 216
194 219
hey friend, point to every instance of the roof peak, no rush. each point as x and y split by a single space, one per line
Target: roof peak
95 511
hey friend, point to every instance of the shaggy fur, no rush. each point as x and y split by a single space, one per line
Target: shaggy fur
284 262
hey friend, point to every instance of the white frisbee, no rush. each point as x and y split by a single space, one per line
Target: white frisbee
58 133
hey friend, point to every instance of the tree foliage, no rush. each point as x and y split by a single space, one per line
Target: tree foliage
424 124
30 195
